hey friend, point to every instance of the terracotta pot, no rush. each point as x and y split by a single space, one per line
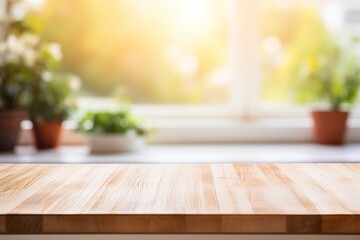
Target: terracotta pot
47 134
330 126
10 125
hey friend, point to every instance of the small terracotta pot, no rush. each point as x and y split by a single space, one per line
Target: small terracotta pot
46 134
330 126
10 125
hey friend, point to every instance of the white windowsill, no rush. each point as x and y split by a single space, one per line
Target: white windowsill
235 131
205 153
175 131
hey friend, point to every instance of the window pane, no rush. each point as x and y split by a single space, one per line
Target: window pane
156 51
293 30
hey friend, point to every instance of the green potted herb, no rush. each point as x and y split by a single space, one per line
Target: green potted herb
51 103
333 78
51 97
17 58
112 131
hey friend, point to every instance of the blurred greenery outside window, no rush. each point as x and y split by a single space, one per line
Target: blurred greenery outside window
293 33
177 52
157 52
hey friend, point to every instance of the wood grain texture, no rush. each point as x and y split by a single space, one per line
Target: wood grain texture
341 224
2 224
180 198
24 224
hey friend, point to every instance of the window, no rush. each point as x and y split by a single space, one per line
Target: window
154 52
209 58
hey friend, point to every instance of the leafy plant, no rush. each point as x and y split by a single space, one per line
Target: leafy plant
53 98
17 57
29 71
13 85
332 76
117 122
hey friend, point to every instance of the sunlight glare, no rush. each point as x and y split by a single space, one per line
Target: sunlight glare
194 12
35 3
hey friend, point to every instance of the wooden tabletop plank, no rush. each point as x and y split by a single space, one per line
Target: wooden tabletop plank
2 224
180 198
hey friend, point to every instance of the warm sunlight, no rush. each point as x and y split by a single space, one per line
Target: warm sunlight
156 51
194 13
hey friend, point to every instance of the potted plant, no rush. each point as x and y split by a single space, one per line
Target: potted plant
51 103
51 97
112 131
333 78
17 53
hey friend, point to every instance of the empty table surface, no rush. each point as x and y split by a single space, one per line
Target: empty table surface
180 198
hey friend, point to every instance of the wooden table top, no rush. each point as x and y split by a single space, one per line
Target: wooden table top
180 198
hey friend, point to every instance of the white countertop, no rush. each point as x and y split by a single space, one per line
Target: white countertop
229 153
